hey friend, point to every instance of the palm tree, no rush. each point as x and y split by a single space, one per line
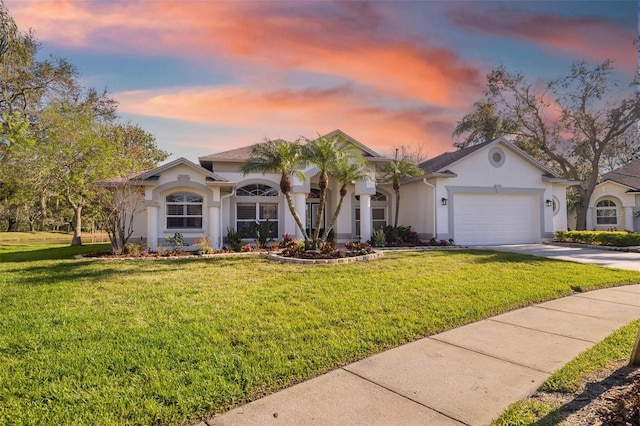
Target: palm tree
395 171
349 166
279 157
323 152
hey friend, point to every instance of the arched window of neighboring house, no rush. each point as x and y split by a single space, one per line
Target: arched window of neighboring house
184 211
379 212
255 204
606 213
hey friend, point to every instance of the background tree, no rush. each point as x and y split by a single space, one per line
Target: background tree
119 199
77 154
26 85
575 125
413 153
481 125
280 157
394 172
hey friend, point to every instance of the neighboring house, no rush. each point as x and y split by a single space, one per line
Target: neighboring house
615 201
490 193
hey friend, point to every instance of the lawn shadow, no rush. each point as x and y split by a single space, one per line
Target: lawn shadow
99 270
591 392
490 256
50 253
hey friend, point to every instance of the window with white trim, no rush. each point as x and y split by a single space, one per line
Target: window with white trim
184 211
379 209
606 213
261 210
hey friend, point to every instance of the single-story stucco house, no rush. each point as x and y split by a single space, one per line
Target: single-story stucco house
485 194
615 202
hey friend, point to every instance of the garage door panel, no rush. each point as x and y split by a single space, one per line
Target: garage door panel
496 218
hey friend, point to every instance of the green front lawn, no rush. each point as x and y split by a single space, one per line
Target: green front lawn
172 341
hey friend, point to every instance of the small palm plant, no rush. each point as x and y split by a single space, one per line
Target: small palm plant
397 170
349 166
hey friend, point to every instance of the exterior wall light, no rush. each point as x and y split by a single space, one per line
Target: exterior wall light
444 201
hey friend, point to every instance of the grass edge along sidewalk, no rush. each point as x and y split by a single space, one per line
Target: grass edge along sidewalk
571 378
170 342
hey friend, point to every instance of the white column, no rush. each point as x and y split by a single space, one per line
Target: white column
152 227
365 217
300 203
214 227
628 219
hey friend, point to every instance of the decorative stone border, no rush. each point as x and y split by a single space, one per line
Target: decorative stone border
363 258
423 248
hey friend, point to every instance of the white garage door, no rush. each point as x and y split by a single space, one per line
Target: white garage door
496 218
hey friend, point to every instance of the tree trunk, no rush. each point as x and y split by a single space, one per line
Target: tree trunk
581 217
343 193
324 182
43 209
395 222
396 187
77 229
296 216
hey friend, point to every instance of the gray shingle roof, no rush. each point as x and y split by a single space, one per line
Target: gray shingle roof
628 175
244 153
238 154
442 161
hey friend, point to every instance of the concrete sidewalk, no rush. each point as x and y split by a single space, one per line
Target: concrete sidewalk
468 375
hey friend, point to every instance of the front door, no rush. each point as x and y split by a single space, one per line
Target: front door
312 215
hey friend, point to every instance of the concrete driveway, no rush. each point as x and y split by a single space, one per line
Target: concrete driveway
602 257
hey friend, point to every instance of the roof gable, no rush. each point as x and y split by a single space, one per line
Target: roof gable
151 174
240 155
443 162
627 175
368 153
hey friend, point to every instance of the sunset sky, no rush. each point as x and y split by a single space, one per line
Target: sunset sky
207 76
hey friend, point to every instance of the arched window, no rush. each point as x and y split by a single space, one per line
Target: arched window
253 205
256 190
606 213
184 211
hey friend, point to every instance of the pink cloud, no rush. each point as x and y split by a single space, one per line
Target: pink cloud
266 43
591 38
295 113
261 35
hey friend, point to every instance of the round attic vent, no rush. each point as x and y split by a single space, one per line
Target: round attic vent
496 157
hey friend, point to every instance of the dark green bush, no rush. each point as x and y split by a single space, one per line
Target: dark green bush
603 238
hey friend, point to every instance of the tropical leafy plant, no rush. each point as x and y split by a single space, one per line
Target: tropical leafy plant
234 240
261 232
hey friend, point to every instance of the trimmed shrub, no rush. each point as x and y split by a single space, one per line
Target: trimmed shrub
603 238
